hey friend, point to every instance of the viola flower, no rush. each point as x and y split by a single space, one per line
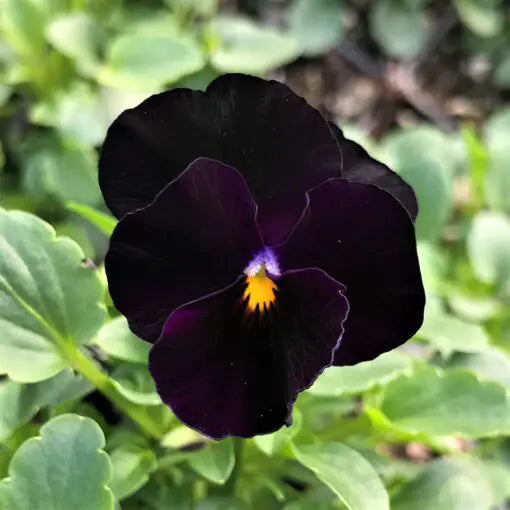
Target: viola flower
256 246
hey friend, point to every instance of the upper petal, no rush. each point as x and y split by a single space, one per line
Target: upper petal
224 371
359 166
360 235
280 144
195 238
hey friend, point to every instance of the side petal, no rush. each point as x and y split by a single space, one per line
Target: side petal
360 235
359 166
280 144
195 238
226 372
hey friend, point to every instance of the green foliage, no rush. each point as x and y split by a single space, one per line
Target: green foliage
446 484
104 222
215 462
47 296
336 381
347 473
44 473
245 47
450 403
67 69
316 25
132 467
116 339
489 249
399 27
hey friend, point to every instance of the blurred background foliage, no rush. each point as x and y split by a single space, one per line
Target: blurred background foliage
425 86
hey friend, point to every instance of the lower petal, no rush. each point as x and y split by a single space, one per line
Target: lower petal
226 371
361 236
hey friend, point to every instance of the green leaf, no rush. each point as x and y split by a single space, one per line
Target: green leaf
64 386
23 22
78 113
180 437
399 29
497 185
501 77
46 296
444 403
78 37
483 17
347 473
132 466
489 249
249 48
492 365
433 266
68 171
136 384
116 339
473 309
273 443
478 164
63 469
445 484
447 333
316 25
222 503
27 356
336 381
18 404
214 462
144 61
428 172
103 221
498 475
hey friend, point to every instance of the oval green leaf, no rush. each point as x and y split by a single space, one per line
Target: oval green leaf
215 461
116 339
249 48
336 381
451 402
347 473
489 249
132 466
445 484
65 468
47 296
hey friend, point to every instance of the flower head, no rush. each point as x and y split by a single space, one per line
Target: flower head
256 246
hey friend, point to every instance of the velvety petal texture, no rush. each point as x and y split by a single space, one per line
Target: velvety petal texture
359 166
195 238
225 371
280 144
256 246
360 235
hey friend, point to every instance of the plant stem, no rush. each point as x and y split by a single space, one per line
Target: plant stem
88 369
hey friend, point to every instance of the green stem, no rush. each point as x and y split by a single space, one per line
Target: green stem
88 369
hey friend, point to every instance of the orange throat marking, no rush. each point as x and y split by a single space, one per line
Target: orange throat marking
260 291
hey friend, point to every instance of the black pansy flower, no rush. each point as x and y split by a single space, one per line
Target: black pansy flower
256 246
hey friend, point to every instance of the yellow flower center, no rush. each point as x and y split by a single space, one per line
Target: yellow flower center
260 291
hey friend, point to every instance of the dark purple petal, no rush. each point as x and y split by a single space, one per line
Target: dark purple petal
194 239
224 371
360 235
359 166
280 144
